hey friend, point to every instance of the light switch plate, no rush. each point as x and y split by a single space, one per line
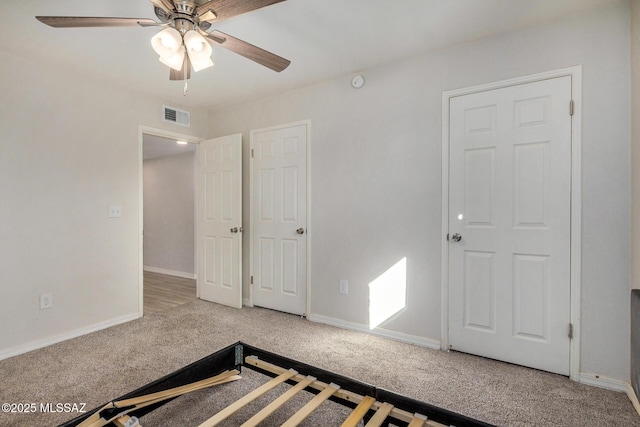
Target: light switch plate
344 287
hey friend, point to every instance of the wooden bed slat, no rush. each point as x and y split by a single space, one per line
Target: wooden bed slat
317 385
381 414
242 402
311 406
359 412
166 394
95 420
122 421
273 406
418 421
350 396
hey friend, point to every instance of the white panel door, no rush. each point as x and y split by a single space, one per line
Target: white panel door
510 205
220 220
279 218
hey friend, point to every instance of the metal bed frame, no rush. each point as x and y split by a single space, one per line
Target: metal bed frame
370 404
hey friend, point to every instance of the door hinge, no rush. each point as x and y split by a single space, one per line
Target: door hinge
252 153
570 331
571 107
252 280
447 237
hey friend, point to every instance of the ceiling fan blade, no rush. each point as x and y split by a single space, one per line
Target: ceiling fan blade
80 21
208 16
166 5
225 9
254 53
152 24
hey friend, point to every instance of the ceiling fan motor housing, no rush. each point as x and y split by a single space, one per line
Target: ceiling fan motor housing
183 18
162 15
183 23
185 6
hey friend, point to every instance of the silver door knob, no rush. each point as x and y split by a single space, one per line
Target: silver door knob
300 231
234 230
456 237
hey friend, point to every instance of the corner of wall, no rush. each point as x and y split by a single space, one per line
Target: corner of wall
633 398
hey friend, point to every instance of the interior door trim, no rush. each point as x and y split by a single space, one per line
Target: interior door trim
147 130
575 73
249 301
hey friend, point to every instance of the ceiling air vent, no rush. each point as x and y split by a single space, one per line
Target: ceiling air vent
173 115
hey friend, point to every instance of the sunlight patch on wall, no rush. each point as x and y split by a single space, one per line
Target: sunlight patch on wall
388 294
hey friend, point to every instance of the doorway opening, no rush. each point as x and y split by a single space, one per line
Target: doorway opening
167 248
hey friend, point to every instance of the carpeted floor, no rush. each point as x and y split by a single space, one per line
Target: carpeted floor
99 367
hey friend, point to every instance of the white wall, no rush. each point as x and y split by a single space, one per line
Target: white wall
68 150
635 189
169 213
376 173
635 135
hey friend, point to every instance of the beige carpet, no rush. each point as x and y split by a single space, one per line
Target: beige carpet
96 368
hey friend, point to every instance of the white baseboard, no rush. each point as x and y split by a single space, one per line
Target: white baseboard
34 345
398 336
246 302
182 274
603 382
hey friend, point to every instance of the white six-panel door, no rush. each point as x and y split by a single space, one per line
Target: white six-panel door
219 220
279 218
510 224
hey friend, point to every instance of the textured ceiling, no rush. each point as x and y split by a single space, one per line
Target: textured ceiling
323 39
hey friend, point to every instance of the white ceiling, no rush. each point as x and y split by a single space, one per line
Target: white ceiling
323 39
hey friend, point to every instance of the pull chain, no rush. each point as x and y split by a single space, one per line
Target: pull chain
184 75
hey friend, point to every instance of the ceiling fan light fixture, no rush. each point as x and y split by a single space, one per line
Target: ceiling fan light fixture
199 50
200 63
175 60
167 42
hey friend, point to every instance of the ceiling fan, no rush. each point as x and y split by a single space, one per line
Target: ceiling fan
184 43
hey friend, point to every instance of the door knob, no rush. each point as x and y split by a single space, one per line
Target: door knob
456 237
300 231
234 230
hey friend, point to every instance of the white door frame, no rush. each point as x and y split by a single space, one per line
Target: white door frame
146 130
308 190
576 200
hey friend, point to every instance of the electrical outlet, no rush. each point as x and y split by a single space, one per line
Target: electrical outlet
115 211
46 301
344 287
